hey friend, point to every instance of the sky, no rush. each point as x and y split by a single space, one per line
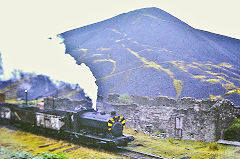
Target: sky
26 25
55 16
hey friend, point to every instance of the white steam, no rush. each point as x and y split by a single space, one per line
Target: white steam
41 55
24 31
26 86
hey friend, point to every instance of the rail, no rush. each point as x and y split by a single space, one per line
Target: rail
136 154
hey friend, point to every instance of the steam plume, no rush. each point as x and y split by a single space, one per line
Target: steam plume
47 56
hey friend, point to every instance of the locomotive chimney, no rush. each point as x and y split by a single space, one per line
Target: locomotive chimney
113 113
26 96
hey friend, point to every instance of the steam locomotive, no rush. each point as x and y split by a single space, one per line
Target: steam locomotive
85 126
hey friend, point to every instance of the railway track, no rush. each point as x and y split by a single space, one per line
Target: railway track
68 146
119 151
136 154
123 152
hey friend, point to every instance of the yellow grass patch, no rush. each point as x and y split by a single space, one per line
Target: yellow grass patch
193 66
236 79
235 91
222 78
178 84
212 73
103 49
170 148
180 65
108 60
215 97
23 141
212 80
224 64
199 77
228 86
206 66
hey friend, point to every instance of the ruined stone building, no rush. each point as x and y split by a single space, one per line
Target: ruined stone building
185 118
66 104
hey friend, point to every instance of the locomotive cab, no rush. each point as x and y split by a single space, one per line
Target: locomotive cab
101 123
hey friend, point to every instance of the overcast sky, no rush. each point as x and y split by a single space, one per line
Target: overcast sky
25 25
45 17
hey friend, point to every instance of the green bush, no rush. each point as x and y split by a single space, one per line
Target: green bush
214 146
22 155
170 140
160 131
52 156
125 98
5 153
232 133
29 103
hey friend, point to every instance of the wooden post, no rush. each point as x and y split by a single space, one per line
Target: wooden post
2 97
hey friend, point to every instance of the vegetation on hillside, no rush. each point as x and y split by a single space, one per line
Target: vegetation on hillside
23 102
235 91
125 98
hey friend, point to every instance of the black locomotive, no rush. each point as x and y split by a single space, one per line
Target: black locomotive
81 126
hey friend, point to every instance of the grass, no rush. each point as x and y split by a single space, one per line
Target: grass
215 97
8 153
180 65
125 98
108 60
213 81
170 148
23 102
53 156
232 133
229 86
212 73
26 142
235 91
224 64
178 84
199 77
193 66
160 131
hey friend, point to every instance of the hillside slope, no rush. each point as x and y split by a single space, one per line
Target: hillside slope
38 86
149 52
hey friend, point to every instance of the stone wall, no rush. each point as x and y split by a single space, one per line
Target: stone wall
65 104
196 119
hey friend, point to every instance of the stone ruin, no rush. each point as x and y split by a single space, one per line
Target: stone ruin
66 104
186 118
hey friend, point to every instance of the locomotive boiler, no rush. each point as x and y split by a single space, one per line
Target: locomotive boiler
85 126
